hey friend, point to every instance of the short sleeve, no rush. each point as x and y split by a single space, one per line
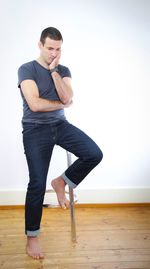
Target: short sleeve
23 74
64 71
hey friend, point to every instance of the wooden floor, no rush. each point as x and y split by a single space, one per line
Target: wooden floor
107 238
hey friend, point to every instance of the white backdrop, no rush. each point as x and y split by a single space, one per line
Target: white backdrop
107 48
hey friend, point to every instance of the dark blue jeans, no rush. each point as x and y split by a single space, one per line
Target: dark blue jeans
39 141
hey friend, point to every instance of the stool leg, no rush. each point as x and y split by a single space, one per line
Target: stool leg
72 210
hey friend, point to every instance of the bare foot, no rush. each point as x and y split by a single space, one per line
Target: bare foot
33 248
58 185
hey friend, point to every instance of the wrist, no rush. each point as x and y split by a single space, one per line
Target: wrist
54 69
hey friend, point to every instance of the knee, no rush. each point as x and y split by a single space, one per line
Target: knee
97 156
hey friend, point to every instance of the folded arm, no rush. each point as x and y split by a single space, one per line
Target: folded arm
35 102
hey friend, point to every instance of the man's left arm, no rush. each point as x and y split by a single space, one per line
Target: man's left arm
63 87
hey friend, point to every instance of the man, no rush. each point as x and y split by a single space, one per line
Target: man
46 90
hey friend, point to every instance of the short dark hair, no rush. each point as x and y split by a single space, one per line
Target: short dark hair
52 33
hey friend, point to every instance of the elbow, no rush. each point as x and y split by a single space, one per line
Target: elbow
34 108
64 102
67 100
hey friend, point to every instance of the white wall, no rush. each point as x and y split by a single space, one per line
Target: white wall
107 47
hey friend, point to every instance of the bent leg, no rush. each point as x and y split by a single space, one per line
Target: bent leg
82 146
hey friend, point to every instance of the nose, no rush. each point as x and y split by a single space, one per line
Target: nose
54 53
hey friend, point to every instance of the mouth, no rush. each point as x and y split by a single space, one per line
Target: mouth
51 59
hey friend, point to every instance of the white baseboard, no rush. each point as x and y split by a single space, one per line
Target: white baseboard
100 196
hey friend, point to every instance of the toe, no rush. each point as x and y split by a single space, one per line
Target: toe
62 205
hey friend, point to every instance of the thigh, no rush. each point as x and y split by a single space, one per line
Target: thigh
76 141
38 148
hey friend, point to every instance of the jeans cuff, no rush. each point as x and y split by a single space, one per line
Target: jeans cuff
32 233
68 181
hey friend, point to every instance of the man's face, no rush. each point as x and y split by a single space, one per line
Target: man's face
50 50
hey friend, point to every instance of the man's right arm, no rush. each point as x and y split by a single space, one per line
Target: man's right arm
36 104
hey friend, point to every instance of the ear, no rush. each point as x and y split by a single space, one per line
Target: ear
40 45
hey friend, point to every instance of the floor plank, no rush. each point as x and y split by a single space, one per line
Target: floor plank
107 238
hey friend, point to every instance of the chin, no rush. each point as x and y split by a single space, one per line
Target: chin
49 61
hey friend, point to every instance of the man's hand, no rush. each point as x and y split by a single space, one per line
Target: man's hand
55 61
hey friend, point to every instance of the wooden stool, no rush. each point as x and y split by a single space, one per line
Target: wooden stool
72 199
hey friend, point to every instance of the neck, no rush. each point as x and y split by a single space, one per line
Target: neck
42 62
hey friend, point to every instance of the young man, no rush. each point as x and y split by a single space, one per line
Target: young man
46 90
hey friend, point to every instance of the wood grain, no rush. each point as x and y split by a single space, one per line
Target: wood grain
107 238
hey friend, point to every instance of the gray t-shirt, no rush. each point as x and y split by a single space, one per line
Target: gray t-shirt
34 71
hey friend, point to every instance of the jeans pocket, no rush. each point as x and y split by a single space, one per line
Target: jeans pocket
28 127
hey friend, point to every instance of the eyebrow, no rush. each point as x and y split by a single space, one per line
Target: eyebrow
53 48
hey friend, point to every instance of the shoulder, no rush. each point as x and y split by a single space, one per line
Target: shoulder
26 71
28 65
64 71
